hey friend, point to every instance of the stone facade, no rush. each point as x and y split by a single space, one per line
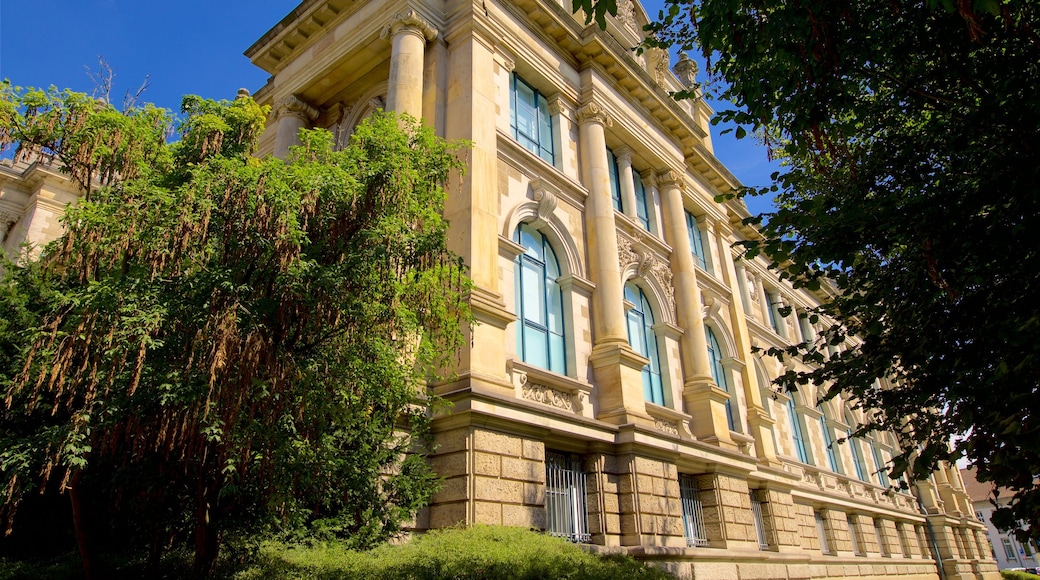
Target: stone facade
646 423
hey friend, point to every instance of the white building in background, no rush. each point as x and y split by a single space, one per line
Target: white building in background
1007 550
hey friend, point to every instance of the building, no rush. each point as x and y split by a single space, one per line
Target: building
1007 550
610 394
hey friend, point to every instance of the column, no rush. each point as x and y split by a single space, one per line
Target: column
704 400
408 34
760 424
626 183
616 367
292 114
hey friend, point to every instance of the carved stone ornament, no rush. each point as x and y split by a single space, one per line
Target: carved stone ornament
686 70
665 426
549 396
752 286
594 113
626 13
649 179
658 61
293 105
409 20
546 201
556 106
671 177
647 265
711 307
377 102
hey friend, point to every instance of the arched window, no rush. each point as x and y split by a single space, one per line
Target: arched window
718 373
539 303
644 341
857 455
801 446
828 441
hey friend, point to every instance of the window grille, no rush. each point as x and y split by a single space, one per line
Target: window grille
566 509
821 531
760 525
692 512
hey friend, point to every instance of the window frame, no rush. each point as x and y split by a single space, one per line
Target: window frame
718 373
694 528
541 143
696 236
641 317
614 175
798 438
550 296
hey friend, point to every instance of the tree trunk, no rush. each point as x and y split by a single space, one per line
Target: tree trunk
83 540
206 537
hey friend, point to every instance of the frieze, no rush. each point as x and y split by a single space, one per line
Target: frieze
666 426
549 396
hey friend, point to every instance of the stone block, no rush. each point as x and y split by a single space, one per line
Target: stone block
648 523
525 470
523 516
451 441
649 467
487 513
533 450
627 503
453 489
487 464
671 487
534 494
449 464
611 503
447 515
499 490
612 523
496 442
644 484
714 571
799 572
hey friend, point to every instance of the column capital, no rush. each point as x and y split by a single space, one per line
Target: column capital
294 105
594 113
649 178
624 154
671 177
409 21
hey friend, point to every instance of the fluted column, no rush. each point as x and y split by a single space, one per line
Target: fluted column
704 400
408 33
616 367
292 114
626 182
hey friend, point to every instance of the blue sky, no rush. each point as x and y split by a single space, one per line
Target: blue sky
193 47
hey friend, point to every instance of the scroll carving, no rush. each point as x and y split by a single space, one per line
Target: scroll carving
647 265
294 105
594 113
665 426
409 20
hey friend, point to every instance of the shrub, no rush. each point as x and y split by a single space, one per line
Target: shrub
461 554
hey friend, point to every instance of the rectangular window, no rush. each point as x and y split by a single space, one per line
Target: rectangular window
852 536
566 509
772 306
692 512
880 538
696 241
1009 549
530 119
760 524
978 516
615 180
821 531
642 209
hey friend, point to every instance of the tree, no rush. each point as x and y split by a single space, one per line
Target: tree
224 343
910 139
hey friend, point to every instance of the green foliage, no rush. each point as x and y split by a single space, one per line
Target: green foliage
1017 575
222 342
910 139
463 554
